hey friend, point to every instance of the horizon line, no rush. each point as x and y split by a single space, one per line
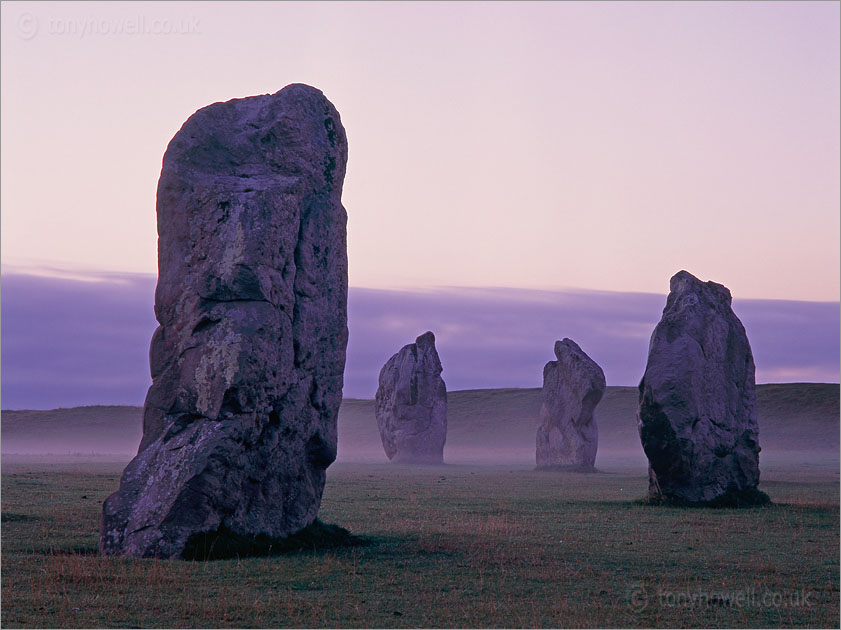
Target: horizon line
455 391
96 276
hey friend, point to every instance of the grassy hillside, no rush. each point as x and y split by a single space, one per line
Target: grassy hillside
502 422
495 423
81 430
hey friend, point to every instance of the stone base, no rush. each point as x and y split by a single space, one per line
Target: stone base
571 468
752 497
429 460
223 543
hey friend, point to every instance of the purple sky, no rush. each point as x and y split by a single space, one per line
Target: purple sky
68 342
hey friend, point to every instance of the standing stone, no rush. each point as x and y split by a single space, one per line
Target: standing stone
247 364
697 413
411 404
572 387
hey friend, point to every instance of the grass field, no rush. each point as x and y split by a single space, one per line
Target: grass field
484 541
451 546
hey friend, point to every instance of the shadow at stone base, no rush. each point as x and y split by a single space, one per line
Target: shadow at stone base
737 499
224 544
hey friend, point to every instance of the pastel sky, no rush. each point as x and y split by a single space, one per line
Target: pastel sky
543 145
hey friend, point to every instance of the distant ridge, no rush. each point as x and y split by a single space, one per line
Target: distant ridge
792 417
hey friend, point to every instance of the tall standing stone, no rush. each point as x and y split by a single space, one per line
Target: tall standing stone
697 412
567 436
411 404
247 364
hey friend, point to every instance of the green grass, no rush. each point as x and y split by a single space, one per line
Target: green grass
451 546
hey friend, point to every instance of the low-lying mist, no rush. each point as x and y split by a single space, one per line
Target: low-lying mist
487 427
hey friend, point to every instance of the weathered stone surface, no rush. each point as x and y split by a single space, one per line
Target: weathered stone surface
247 363
697 413
411 404
567 436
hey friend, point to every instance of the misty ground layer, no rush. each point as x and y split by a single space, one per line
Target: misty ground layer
462 545
483 425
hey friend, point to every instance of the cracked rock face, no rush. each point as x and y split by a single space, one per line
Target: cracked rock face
697 413
411 404
572 387
247 364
